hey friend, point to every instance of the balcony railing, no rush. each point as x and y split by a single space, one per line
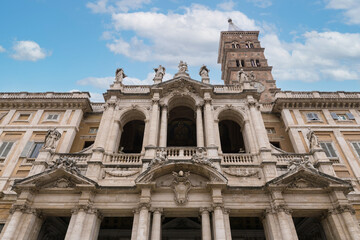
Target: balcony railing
285 158
180 152
122 158
237 158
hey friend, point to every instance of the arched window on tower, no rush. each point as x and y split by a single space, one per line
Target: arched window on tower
247 45
237 45
253 63
233 45
242 63
237 63
258 63
251 45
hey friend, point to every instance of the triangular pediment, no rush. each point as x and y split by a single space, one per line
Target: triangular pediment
305 178
183 84
58 178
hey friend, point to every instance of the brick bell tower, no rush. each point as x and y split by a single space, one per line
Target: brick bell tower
242 50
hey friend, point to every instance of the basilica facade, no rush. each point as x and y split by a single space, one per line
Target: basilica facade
183 159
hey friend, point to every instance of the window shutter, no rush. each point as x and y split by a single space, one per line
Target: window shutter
350 116
7 149
356 147
331 150
334 116
26 150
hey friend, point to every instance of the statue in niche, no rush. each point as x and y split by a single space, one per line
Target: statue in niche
52 136
159 72
181 185
183 68
243 77
119 75
313 140
204 72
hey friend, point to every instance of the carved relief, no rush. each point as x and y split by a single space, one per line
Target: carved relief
121 173
62 183
181 185
161 158
301 183
65 163
242 172
298 163
200 157
51 138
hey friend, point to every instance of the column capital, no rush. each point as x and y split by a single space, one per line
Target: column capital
155 101
144 206
25 208
282 208
199 105
109 104
163 106
341 209
218 205
207 100
159 210
205 210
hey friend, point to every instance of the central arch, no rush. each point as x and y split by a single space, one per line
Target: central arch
181 127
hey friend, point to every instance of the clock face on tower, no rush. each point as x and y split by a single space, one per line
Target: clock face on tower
259 87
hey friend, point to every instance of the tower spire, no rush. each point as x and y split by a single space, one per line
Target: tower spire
232 26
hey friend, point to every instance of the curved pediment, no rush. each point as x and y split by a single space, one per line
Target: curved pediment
210 174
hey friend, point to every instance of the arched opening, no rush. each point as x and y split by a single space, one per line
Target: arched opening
231 137
132 137
181 127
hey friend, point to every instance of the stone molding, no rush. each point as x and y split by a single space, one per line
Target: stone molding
341 209
88 209
25 208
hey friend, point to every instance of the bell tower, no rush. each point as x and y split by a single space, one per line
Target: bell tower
242 50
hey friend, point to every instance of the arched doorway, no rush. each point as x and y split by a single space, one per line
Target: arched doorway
132 137
231 137
181 127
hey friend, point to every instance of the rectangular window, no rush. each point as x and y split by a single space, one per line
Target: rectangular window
93 130
356 146
23 117
270 130
35 149
329 149
5 149
342 117
312 116
52 117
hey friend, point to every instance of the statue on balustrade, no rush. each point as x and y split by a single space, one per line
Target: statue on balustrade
119 75
159 72
161 158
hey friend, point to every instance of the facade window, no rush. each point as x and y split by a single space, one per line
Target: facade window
233 45
342 117
270 130
237 45
246 45
356 146
23 117
258 63
329 149
242 63
93 130
251 45
53 117
312 116
5 149
88 144
237 63
31 149
253 63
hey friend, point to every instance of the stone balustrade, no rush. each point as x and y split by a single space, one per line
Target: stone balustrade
136 89
180 152
50 95
291 94
237 158
123 158
227 89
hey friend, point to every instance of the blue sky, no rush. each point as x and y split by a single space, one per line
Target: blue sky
68 45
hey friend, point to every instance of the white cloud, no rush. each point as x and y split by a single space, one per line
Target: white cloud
261 3
2 49
351 8
167 38
227 6
105 82
105 6
326 55
28 51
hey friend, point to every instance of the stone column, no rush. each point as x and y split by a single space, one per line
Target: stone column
286 223
106 120
30 225
337 231
114 137
219 223
209 123
156 225
135 224
91 225
205 224
10 229
150 149
163 126
352 226
74 232
199 126
227 224
258 124
271 225
249 138
142 233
